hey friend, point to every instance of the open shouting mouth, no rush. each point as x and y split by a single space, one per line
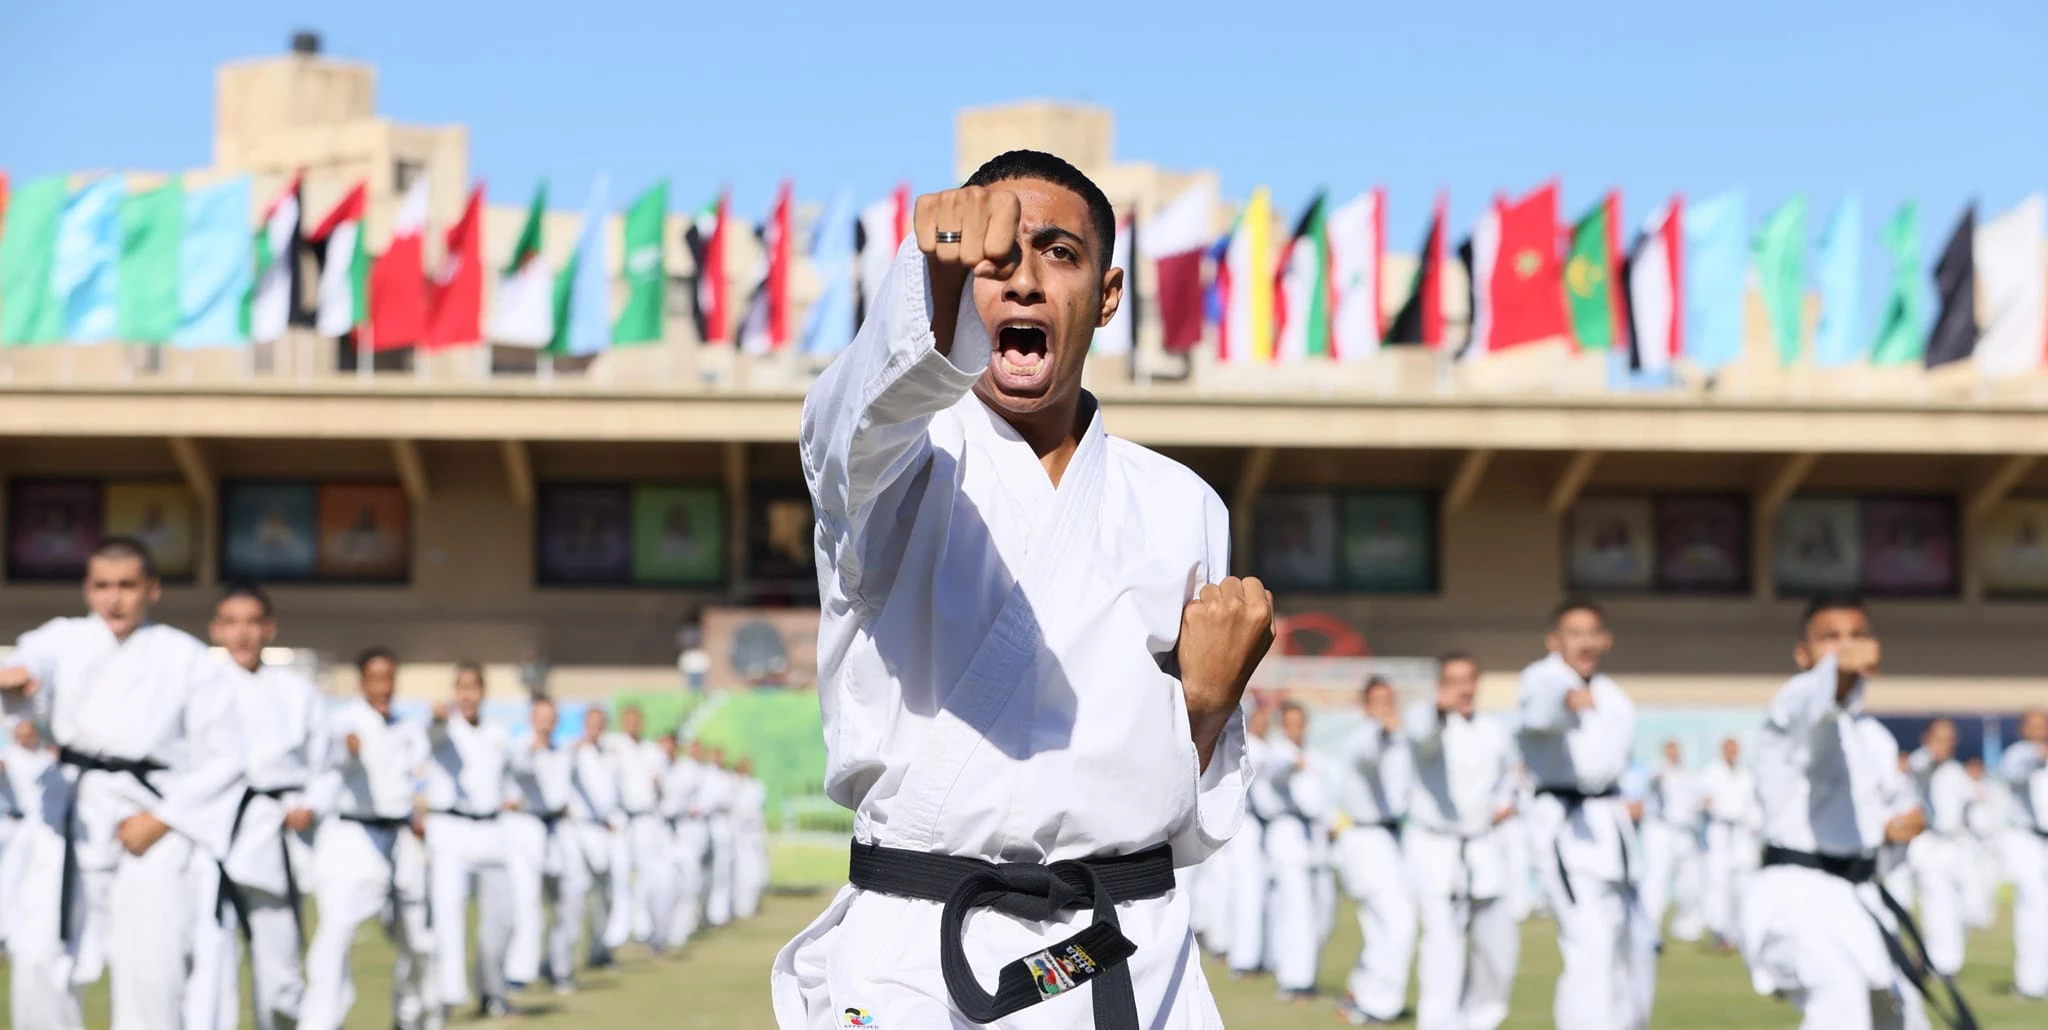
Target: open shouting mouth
1023 357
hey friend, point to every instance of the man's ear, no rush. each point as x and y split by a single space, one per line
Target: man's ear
1801 656
1112 296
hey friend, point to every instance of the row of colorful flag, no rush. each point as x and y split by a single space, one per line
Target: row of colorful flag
1676 292
178 266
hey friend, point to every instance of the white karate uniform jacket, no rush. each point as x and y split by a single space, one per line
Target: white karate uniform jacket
993 663
1587 751
1464 773
284 722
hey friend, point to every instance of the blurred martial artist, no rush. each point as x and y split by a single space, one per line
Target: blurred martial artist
1244 856
145 720
2024 767
466 792
1940 858
1577 728
650 859
684 793
715 798
1297 795
368 859
1983 823
750 841
1375 779
536 844
590 877
1733 825
1671 846
1464 792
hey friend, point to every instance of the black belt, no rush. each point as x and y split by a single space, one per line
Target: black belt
1034 892
84 763
231 895
377 822
1913 964
1573 800
474 817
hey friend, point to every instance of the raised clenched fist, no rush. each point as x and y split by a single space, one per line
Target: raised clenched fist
1224 633
1858 657
964 232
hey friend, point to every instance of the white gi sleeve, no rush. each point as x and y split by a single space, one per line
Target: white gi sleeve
2019 763
865 419
1951 793
1422 724
202 793
1507 789
1540 701
36 651
319 741
325 760
1600 748
1805 707
1223 790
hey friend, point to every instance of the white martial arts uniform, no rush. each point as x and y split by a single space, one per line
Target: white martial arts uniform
1524 895
2024 768
1585 850
714 798
1940 858
1671 851
1984 820
10 806
535 840
648 850
465 792
590 859
750 846
1299 800
692 838
159 697
1249 879
32 779
284 723
367 865
990 669
1458 865
1733 846
1828 782
1375 780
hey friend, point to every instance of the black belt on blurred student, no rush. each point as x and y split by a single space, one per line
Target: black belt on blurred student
1913 964
67 928
475 817
1574 799
1027 890
377 822
230 895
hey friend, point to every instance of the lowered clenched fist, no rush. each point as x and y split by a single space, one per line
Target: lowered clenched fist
1224 633
963 232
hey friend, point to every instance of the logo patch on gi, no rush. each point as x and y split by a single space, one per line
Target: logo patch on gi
1050 973
852 1017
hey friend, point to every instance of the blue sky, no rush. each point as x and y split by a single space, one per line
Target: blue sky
1940 101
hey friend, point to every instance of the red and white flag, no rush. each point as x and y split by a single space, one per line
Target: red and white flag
398 281
767 326
1174 242
1656 290
1358 246
881 229
455 301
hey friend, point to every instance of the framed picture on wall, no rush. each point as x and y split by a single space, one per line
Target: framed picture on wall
1909 545
1609 544
163 517
679 534
364 533
584 534
53 525
1819 545
268 530
782 529
2014 549
1295 545
1702 544
1389 542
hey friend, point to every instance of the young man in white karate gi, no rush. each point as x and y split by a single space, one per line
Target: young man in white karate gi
465 793
1301 805
1029 652
1734 823
750 841
1375 778
2024 768
1940 857
1249 880
1983 821
30 774
1577 728
715 799
368 858
536 852
681 795
284 724
648 847
593 861
1464 792
144 717
1671 846
1817 927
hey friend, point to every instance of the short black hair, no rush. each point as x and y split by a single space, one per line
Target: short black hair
1043 167
373 653
1291 705
471 666
1455 655
1830 602
1374 681
123 548
250 591
1577 603
543 699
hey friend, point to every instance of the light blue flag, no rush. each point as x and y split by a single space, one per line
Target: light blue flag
214 261
1839 272
86 273
829 326
1716 279
590 293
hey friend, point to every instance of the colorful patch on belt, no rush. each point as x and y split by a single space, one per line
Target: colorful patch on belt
1050 973
857 1017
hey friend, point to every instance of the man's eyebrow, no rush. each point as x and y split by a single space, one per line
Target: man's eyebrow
1046 235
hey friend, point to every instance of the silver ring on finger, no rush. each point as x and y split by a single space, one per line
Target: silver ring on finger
942 236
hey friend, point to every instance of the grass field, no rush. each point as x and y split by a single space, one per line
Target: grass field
722 980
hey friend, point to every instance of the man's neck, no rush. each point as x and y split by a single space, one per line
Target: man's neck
1053 433
253 665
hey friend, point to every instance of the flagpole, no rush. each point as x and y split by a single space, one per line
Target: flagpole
365 349
547 368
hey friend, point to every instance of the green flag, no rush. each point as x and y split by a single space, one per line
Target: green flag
1589 278
1779 253
1902 332
29 312
640 321
152 228
565 286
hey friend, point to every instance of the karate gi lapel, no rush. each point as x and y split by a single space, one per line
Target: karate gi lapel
1045 602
